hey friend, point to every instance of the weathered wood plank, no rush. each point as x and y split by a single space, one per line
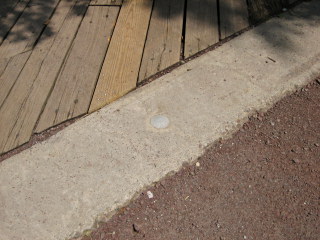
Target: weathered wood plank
202 28
74 87
121 67
10 11
11 72
233 17
106 2
261 9
163 45
27 30
16 48
23 105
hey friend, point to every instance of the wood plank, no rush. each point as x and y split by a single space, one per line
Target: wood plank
259 10
16 48
10 11
233 17
202 28
106 2
163 45
121 67
23 105
11 72
74 87
27 30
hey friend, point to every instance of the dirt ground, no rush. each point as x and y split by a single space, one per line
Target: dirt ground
264 183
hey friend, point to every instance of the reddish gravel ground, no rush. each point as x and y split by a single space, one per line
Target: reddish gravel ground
263 183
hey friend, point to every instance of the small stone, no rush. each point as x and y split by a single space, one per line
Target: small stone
295 160
136 228
317 144
284 9
150 194
197 164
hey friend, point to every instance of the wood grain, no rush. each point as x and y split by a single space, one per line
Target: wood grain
202 28
163 45
121 67
74 87
233 17
23 105
106 2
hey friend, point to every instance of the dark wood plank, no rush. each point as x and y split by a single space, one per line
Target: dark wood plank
163 45
74 87
16 48
106 2
202 28
259 10
233 17
121 67
22 107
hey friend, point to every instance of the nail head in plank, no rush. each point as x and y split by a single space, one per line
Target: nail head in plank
201 26
233 17
163 44
23 106
121 67
74 87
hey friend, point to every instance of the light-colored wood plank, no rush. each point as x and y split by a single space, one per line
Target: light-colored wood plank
121 67
74 87
163 45
10 11
233 17
16 48
23 106
106 2
202 28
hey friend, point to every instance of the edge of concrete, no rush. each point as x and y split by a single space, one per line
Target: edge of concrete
56 189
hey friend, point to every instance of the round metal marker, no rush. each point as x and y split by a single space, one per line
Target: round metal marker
159 121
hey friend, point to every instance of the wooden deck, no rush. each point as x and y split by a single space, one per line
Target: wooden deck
60 59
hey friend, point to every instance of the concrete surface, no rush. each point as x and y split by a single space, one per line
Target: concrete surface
58 188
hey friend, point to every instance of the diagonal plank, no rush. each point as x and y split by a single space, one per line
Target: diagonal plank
233 17
16 48
74 87
121 67
202 28
106 2
23 106
9 13
163 43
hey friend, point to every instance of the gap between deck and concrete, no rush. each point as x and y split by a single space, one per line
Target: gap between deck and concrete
59 187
